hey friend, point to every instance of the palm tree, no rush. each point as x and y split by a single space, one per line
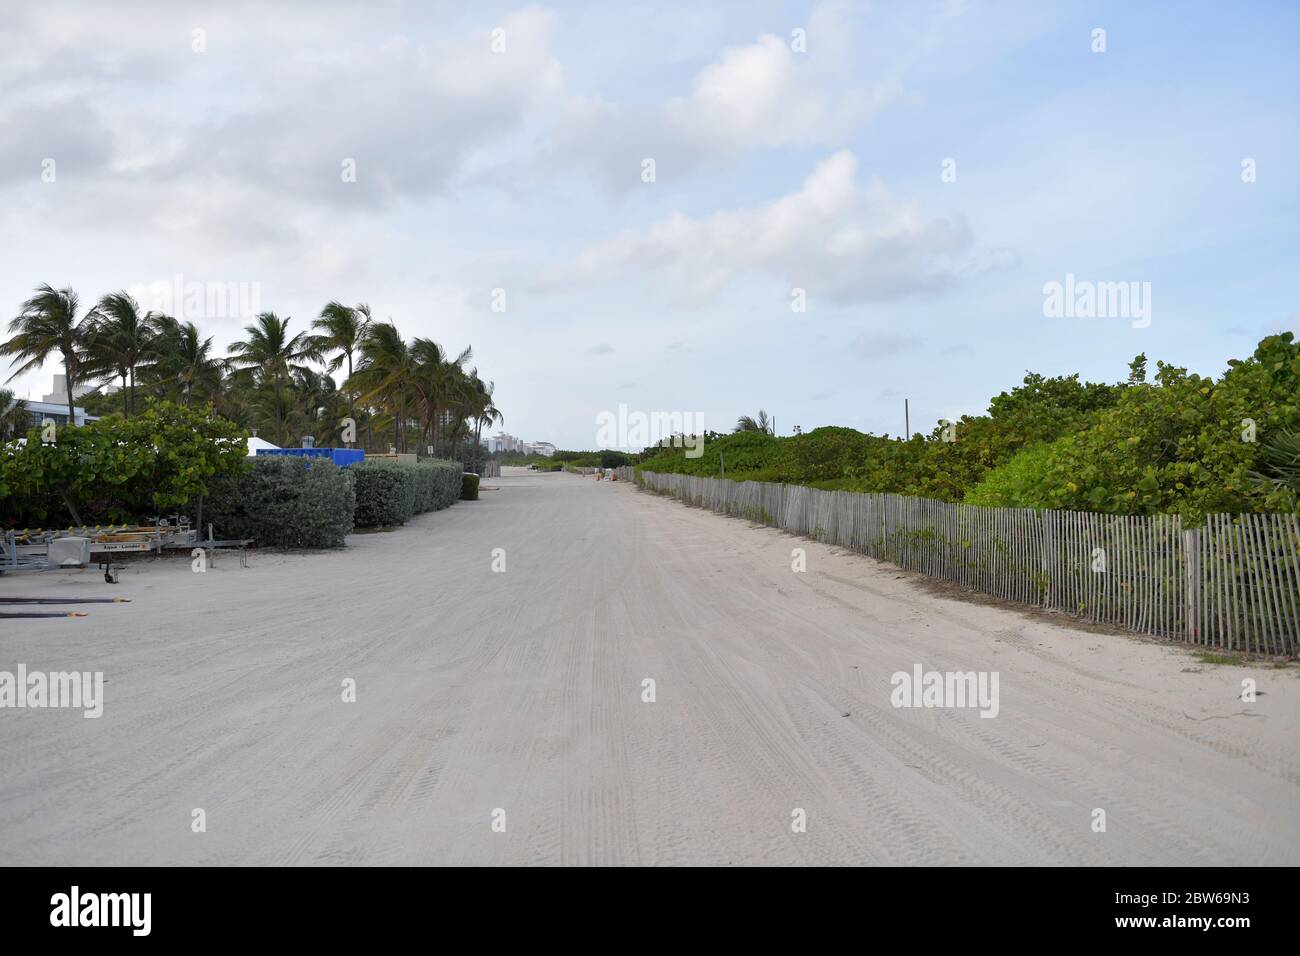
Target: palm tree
271 355
342 329
488 414
761 424
385 374
1279 463
433 377
120 343
320 405
47 324
14 417
186 367
465 400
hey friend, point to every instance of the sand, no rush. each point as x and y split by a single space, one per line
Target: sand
522 692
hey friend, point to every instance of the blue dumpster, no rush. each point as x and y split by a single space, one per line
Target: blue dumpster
340 456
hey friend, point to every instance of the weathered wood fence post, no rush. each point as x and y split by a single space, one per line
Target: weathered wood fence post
1192 585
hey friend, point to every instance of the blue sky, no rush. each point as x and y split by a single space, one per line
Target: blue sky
775 169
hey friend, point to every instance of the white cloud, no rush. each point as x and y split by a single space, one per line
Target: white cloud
759 95
834 238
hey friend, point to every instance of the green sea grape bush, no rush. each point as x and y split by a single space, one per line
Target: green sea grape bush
1179 443
117 469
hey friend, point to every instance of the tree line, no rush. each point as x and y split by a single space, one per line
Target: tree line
412 396
1163 443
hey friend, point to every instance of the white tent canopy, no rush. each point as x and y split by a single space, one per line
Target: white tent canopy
254 443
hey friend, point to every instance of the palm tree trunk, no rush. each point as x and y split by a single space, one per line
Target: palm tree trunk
72 508
399 427
126 412
351 395
132 390
67 377
284 428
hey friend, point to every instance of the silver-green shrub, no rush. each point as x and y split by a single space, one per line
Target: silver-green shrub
283 503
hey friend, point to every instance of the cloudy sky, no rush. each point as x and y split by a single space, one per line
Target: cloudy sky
919 170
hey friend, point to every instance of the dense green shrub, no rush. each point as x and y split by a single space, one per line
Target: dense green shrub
385 493
389 493
443 480
824 454
1183 443
1018 483
469 487
752 456
283 502
117 469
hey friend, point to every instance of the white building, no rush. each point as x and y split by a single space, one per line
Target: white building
501 442
56 412
60 393
54 406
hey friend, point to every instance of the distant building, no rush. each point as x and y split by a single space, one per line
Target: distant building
60 393
56 412
54 406
501 442
509 444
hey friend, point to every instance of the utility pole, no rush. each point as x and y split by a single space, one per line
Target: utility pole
907 422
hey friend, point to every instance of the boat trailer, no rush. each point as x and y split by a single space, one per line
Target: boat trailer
40 549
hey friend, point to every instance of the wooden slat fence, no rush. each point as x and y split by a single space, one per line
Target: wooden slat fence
1232 584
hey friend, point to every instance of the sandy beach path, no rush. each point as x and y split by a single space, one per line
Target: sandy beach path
522 691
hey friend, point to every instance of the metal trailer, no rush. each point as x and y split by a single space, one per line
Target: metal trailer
28 550
14 561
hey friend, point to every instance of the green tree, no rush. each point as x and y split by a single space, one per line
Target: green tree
119 469
1278 463
270 355
435 376
341 329
187 368
48 325
385 374
120 341
1184 443
760 424
14 417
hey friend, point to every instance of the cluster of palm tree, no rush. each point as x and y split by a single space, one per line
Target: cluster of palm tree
411 396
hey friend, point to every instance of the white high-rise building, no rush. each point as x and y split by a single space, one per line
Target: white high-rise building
501 442
60 393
